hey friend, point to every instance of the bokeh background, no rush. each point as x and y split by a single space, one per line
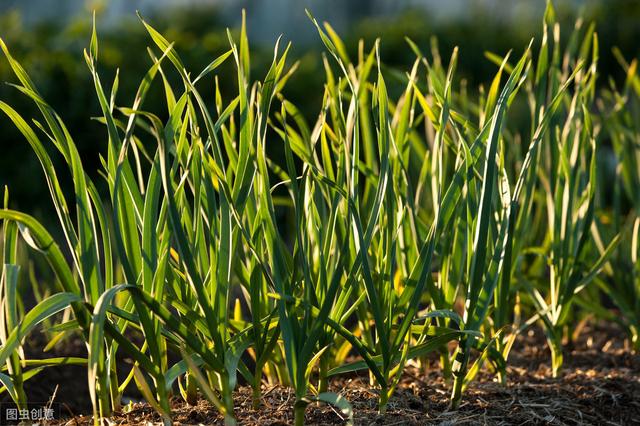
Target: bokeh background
48 37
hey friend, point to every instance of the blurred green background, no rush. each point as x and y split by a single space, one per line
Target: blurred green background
48 38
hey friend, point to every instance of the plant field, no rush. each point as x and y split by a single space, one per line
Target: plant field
229 241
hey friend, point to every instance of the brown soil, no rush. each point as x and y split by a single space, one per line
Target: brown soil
600 385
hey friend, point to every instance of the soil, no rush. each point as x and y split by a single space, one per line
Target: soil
600 385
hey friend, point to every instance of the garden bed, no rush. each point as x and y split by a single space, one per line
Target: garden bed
600 385
412 215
